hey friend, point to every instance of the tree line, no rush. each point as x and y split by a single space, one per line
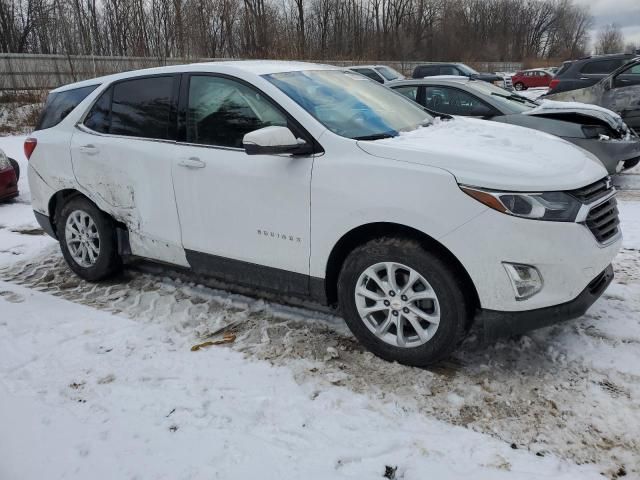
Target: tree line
471 30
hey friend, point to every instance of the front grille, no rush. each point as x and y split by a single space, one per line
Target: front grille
593 192
603 220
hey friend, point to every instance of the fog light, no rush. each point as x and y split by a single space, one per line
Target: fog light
525 279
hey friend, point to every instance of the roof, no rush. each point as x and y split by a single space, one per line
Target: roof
255 67
436 80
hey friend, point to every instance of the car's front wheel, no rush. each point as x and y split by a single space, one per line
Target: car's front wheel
402 302
88 240
519 86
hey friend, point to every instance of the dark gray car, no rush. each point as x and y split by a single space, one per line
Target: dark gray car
595 129
619 92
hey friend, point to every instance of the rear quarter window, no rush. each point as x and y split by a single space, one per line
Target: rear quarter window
61 104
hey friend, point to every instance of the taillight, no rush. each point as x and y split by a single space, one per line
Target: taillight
29 146
554 83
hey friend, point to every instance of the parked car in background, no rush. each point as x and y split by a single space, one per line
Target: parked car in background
9 176
535 78
619 91
597 130
586 71
434 69
379 73
310 181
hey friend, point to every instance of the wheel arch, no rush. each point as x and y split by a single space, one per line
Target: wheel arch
364 233
61 197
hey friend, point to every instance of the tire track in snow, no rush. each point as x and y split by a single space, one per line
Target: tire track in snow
537 392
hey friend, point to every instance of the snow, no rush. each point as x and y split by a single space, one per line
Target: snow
20 234
99 381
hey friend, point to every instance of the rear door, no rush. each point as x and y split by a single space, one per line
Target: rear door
595 70
122 154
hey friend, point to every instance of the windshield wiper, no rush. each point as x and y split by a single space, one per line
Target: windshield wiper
376 136
516 98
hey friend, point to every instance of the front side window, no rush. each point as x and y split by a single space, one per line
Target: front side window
449 71
222 111
142 107
452 101
350 105
61 104
409 91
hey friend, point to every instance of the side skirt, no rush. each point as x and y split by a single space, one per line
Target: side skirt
282 282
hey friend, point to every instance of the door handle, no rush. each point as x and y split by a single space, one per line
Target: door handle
192 162
89 149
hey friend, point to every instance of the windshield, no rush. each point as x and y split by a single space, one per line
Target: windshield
349 104
510 100
389 73
467 70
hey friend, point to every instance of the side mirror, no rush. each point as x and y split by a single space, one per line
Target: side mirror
274 141
481 110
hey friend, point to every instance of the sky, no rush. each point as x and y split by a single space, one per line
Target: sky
625 13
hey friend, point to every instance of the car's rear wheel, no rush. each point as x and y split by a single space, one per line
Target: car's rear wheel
88 240
520 86
402 302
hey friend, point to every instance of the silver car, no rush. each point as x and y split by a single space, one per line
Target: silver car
593 128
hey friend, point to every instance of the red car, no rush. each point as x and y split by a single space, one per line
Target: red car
531 79
9 174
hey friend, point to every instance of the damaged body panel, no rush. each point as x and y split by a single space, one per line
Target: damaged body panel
593 128
619 92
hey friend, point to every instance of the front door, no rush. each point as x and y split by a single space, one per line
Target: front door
624 96
242 216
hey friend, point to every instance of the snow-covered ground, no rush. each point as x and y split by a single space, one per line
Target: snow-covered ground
99 381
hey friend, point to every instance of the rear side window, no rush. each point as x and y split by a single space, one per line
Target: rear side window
602 66
565 66
142 107
367 72
61 104
427 71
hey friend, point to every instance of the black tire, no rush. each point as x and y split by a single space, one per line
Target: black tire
521 86
108 261
454 311
16 167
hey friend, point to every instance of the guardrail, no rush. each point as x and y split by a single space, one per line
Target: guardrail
45 72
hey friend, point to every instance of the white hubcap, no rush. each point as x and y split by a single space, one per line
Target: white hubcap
397 304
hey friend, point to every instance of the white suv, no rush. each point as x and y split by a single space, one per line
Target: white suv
313 181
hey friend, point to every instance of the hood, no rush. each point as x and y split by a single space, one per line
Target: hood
549 108
493 155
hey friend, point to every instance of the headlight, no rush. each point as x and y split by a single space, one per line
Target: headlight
5 164
498 83
551 206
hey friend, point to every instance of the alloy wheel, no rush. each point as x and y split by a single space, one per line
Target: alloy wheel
83 239
397 304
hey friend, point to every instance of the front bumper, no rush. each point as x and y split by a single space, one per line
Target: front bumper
612 153
499 324
8 184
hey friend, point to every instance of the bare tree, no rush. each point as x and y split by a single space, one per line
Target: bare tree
610 40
